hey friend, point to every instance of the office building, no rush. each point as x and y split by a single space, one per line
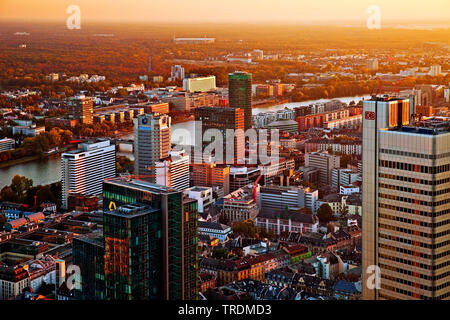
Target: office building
240 205
211 175
150 241
343 177
240 94
83 170
222 118
173 171
81 108
199 84
88 254
378 113
152 134
292 197
411 212
323 161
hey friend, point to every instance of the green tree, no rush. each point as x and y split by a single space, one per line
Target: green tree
220 253
20 184
325 213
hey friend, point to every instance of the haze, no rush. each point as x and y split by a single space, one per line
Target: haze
296 11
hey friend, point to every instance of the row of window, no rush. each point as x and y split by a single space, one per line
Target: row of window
415 201
414 243
414 211
414 180
414 232
415 191
415 155
414 167
415 222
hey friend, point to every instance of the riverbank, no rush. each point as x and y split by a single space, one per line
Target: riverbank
19 161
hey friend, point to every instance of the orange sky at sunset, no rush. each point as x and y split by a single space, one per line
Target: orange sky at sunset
297 11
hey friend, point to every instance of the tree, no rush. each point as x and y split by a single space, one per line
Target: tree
2 221
220 253
20 184
246 228
7 194
325 213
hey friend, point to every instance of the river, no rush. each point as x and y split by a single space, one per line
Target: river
49 170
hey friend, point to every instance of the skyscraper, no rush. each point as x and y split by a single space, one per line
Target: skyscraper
81 108
150 241
413 208
240 94
83 170
223 118
152 134
406 169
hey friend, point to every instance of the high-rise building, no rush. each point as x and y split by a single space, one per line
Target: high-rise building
240 94
83 170
382 113
413 208
325 162
81 108
150 241
176 73
223 118
211 175
88 254
152 134
173 171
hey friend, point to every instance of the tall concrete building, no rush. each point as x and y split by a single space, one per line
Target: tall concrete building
173 171
325 162
150 234
152 134
240 94
223 118
81 108
83 170
413 211
379 113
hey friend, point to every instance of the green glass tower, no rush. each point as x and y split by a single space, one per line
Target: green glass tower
240 94
150 241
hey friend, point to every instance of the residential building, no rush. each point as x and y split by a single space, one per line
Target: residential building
81 108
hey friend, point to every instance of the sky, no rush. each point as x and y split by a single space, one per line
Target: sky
290 11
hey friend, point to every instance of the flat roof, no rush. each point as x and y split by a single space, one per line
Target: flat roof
141 184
